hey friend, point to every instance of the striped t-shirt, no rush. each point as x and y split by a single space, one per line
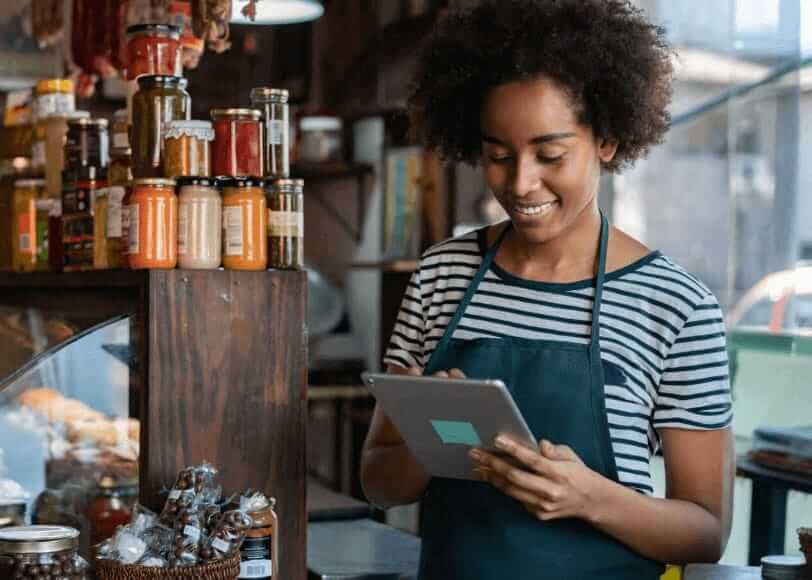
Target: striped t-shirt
661 335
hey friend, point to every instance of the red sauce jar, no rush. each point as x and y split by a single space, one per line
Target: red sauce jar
110 508
153 49
238 142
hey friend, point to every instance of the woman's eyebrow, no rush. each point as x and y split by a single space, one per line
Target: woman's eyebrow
534 141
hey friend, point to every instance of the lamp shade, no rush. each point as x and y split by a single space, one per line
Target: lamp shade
278 11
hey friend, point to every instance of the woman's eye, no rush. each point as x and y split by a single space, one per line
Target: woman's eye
548 160
499 158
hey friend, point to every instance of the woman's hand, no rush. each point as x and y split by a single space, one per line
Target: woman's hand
552 482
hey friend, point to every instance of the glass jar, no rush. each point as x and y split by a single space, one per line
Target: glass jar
120 170
87 143
286 224
320 140
54 97
110 507
109 226
46 552
238 142
79 195
55 236
260 549
153 49
153 224
159 100
12 512
245 224
38 159
120 138
24 223
200 220
186 148
56 130
43 212
80 187
274 106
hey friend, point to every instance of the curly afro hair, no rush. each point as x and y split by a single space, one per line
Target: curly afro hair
615 64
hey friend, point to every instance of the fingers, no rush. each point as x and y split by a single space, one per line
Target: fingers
414 371
527 456
450 374
557 452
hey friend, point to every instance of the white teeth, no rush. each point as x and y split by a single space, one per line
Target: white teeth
534 209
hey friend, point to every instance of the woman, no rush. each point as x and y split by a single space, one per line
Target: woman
610 349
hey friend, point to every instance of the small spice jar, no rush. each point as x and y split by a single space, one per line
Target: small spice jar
110 507
186 148
238 148
200 222
24 223
274 106
153 49
46 552
260 549
120 132
159 100
286 224
87 143
54 97
245 224
153 224
320 140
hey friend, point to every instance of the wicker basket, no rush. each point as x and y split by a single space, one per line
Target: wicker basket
222 570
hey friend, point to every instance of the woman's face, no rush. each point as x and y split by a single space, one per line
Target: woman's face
543 167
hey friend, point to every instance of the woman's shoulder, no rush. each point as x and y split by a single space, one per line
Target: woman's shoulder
465 248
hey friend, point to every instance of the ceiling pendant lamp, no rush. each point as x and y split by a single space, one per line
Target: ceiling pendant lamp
276 11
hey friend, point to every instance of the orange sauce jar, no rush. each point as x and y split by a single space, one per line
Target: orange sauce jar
153 224
245 223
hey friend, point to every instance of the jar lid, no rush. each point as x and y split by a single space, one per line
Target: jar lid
172 32
287 184
781 567
121 116
321 124
29 183
243 181
185 180
54 86
252 114
153 182
84 121
38 539
267 94
148 81
182 128
109 483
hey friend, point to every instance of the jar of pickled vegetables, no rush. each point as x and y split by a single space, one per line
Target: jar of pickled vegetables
186 148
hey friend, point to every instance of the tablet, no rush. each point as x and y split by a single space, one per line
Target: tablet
441 419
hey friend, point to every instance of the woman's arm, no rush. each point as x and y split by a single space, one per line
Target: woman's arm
691 524
390 474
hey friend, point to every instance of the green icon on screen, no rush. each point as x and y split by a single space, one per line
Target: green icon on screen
456 433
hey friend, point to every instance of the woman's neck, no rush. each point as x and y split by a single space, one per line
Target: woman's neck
570 256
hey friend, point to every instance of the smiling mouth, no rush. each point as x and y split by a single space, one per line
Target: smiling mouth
534 209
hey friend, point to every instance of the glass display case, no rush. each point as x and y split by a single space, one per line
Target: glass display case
65 432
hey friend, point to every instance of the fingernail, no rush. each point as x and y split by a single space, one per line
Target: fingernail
475 454
502 442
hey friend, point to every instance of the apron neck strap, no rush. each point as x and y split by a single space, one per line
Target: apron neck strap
594 343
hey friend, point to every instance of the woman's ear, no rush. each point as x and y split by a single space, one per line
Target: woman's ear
606 150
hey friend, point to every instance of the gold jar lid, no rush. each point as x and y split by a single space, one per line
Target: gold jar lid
287 185
38 539
54 86
153 182
252 114
83 121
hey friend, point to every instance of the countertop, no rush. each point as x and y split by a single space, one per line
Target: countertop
717 572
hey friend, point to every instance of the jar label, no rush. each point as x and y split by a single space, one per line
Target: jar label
257 558
286 224
256 569
220 545
115 195
24 233
174 494
121 140
233 230
133 245
38 153
276 131
192 532
183 224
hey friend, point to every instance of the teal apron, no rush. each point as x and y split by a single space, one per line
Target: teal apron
473 531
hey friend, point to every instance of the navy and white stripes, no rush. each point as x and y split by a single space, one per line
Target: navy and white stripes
661 331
